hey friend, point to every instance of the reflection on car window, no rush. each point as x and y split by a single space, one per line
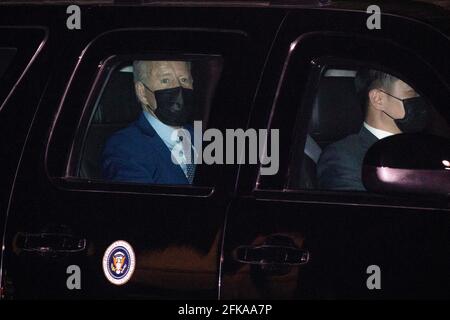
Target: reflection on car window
145 111
353 110
6 57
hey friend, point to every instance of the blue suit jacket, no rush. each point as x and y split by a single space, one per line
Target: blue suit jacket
340 164
138 154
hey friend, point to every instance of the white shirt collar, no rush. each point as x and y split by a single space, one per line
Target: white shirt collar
380 134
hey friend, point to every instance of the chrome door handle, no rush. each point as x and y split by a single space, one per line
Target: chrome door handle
271 254
49 243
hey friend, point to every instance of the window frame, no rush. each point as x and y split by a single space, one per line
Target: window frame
56 166
317 65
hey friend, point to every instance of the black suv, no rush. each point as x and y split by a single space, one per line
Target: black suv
68 77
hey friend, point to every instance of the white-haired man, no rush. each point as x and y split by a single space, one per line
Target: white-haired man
143 152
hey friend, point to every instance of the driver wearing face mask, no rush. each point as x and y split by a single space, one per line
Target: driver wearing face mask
144 151
391 107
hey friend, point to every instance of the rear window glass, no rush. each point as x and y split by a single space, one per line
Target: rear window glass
141 105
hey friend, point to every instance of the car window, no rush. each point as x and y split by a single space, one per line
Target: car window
354 108
143 118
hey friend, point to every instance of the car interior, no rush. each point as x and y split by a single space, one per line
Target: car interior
336 91
336 114
118 107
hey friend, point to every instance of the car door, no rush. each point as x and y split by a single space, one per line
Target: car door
61 224
17 58
26 54
304 243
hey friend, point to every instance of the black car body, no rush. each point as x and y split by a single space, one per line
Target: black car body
235 234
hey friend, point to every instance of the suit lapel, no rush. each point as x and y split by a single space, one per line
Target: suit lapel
367 138
161 148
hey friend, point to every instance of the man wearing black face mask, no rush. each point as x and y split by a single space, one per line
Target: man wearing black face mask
391 107
144 152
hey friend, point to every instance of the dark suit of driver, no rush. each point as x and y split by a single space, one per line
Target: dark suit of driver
340 164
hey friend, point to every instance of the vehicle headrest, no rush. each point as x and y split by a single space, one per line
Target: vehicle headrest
337 111
118 103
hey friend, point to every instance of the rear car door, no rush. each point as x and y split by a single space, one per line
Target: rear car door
62 220
26 54
299 242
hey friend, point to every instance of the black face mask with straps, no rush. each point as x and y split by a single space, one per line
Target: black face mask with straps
417 114
175 106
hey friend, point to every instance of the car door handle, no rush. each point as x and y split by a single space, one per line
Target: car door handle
271 254
49 243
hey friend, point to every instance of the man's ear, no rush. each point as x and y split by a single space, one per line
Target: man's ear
376 99
140 92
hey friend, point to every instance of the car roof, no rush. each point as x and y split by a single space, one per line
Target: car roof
246 3
433 12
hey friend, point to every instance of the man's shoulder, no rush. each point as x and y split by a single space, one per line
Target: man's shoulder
128 140
124 134
344 146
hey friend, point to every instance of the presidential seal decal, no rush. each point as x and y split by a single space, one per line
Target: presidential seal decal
119 262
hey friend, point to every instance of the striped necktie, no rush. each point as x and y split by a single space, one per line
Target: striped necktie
190 166
190 172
